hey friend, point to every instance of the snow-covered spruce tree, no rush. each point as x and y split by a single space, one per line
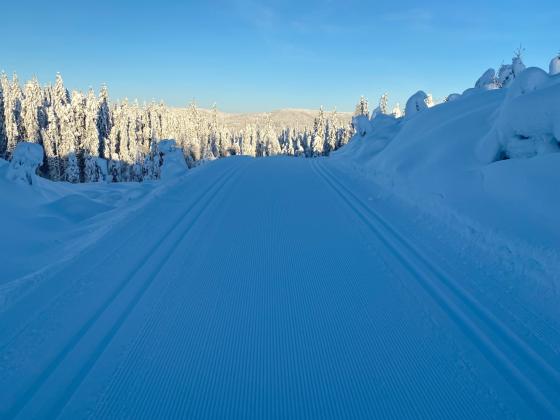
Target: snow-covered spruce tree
213 132
330 134
3 138
270 143
89 147
13 96
362 107
103 120
51 137
249 141
397 112
318 138
72 170
70 134
384 104
32 111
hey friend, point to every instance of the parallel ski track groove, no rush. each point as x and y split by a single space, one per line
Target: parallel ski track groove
10 338
439 285
58 360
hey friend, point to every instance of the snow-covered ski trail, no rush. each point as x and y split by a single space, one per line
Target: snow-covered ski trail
265 288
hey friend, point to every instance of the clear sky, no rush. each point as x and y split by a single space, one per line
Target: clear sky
249 55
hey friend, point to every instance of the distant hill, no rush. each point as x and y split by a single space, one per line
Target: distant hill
293 118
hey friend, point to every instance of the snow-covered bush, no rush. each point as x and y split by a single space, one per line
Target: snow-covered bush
509 72
528 121
487 81
416 103
25 160
174 163
554 67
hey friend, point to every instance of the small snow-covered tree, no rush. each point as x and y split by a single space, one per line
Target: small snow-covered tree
397 112
384 104
270 143
330 134
517 62
318 137
508 72
362 107
429 100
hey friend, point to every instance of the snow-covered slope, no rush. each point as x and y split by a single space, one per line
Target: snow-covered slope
485 162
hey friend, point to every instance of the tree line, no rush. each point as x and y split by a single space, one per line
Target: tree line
86 138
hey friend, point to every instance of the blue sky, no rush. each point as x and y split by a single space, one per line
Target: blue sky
250 55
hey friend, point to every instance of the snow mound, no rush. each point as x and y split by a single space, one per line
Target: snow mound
25 160
174 163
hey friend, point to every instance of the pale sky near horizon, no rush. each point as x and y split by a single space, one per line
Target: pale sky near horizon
249 55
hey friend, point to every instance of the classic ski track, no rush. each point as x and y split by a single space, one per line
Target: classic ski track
468 297
33 389
473 320
8 339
